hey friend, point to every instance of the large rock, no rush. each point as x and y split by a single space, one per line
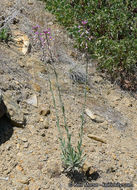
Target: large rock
20 42
13 111
2 106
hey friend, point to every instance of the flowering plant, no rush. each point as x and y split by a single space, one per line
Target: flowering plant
72 158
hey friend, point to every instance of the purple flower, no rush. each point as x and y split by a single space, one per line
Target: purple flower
37 32
84 22
36 27
45 31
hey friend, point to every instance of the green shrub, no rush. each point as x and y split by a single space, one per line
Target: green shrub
112 33
4 35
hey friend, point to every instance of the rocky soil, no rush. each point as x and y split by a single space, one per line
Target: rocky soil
29 146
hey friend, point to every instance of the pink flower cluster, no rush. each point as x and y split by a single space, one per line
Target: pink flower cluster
84 22
42 36
84 33
47 32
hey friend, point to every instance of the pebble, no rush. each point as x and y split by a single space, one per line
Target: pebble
50 23
8 147
30 2
96 138
46 124
41 119
33 100
110 170
44 110
36 87
18 167
96 118
23 180
4 178
26 145
24 139
87 168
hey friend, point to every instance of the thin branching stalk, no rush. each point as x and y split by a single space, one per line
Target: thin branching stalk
53 97
58 87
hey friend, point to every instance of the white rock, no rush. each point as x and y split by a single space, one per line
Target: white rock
33 100
96 118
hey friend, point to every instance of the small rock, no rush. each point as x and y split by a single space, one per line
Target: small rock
14 112
42 133
91 171
24 180
24 139
30 2
26 145
44 110
41 119
86 166
4 178
114 156
110 170
15 20
18 146
96 138
33 100
36 87
50 23
18 167
46 124
8 147
88 169
96 118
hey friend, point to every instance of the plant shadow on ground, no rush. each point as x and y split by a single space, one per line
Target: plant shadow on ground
6 129
77 177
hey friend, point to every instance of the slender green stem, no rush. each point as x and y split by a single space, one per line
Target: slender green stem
53 97
58 87
84 105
